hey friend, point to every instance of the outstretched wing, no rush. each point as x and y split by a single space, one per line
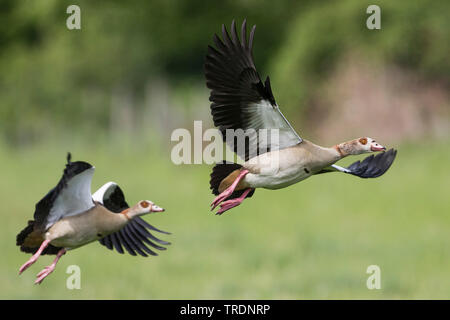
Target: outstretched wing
135 235
371 167
71 196
240 100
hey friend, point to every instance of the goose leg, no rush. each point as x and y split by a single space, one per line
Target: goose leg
227 205
49 269
34 257
228 191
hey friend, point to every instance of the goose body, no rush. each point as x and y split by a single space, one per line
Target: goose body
244 110
290 165
69 217
78 230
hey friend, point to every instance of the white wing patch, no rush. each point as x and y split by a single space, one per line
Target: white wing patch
75 198
339 168
263 115
104 191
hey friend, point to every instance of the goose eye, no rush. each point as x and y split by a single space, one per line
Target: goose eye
363 140
144 204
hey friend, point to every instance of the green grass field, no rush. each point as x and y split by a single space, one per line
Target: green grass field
313 240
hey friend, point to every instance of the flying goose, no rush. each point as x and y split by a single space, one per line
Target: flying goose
69 217
244 109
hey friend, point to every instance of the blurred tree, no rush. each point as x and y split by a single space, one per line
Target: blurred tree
413 35
57 79
53 79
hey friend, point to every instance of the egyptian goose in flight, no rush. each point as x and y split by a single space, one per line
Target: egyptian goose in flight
69 217
252 125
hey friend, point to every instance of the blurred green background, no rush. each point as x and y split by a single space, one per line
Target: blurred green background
112 93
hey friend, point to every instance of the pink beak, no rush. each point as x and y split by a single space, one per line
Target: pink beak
155 208
377 147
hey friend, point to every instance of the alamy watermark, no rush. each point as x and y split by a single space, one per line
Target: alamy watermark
74 280
374 20
374 280
254 144
74 20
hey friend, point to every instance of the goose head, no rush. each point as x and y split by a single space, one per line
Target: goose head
359 146
141 208
367 144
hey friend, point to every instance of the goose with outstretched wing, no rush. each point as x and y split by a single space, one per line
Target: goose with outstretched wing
69 217
244 110
136 235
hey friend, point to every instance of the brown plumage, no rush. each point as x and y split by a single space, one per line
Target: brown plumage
225 183
30 240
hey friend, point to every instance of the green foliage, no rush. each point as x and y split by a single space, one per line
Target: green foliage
414 35
311 240
55 80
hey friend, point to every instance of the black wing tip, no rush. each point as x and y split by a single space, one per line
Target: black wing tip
81 165
145 224
225 33
373 166
224 30
134 238
74 168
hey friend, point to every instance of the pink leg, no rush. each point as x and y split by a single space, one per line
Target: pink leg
227 205
49 269
34 257
228 191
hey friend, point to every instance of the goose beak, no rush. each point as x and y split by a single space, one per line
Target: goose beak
155 208
377 147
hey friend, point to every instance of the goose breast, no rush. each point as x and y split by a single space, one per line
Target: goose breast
279 169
